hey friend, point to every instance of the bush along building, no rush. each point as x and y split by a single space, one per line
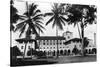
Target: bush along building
47 45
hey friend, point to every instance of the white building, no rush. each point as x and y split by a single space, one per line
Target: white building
66 44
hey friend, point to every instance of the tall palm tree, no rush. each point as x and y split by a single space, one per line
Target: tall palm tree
83 15
33 19
57 17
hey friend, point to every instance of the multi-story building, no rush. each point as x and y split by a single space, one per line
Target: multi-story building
48 44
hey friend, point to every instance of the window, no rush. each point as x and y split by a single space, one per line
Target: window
43 42
28 47
60 42
54 42
44 48
50 42
50 47
68 37
47 47
57 42
47 42
22 47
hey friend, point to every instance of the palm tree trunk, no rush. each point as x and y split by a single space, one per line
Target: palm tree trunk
83 41
39 41
56 30
31 50
82 33
79 31
24 50
57 40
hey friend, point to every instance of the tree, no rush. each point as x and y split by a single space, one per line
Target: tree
33 21
32 18
15 51
83 15
57 17
75 50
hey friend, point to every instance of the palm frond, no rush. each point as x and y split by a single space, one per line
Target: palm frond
48 14
22 30
32 26
59 24
62 21
39 22
36 12
20 25
39 25
50 20
64 18
38 17
54 23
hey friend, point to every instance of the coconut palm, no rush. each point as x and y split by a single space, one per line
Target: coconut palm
83 15
57 17
33 19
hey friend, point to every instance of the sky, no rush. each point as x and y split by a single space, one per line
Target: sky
46 7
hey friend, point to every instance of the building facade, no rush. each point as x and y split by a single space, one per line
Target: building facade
48 45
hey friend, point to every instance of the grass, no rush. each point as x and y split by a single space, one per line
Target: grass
65 59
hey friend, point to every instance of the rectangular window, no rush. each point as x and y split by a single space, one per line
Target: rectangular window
43 42
60 42
28 47
22 47
50 42
47 42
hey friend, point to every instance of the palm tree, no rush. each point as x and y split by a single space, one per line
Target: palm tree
33 19
83 15
57 17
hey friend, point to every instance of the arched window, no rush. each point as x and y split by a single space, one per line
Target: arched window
89 51
61 52
68 52
54 53
94 51
65 52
